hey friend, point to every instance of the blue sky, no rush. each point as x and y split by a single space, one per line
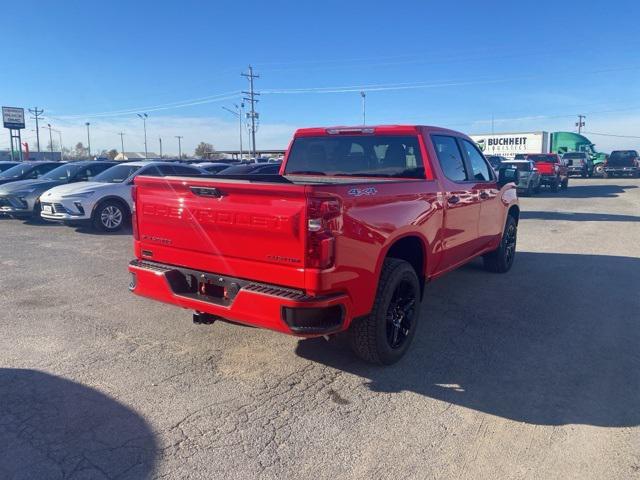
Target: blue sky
457 64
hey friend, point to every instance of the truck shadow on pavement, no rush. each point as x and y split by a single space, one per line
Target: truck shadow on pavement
51 427
577 216
556 341
601 190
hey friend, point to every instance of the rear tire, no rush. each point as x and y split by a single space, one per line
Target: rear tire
565 184
109 216
554 186
502 258
384 336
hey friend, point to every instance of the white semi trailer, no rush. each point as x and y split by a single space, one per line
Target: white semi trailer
510 144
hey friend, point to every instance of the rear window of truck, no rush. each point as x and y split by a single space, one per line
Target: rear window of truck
357 156
543 158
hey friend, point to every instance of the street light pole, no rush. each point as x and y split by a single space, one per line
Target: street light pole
122 144
144 117
160 140
239 115
88 139
50 140
364 107
179 137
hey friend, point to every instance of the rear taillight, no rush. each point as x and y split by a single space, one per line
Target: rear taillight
322 221
134 217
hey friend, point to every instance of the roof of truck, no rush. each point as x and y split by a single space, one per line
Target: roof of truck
370 129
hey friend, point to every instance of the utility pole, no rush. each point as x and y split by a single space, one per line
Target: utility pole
144 117
50 140
88 140
179 137
580 122
252 100
36 116
364 108
122 144
239 115
160 140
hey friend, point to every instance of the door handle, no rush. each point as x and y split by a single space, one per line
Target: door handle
484 195
453 199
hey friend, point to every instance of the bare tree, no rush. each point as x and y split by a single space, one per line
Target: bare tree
204 150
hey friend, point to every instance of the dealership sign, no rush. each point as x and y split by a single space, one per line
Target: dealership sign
13 118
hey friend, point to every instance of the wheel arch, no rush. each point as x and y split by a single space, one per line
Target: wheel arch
114 198
411 248
514 211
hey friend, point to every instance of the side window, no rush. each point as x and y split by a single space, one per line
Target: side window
479 166
42 169
449 157
152 171
94 170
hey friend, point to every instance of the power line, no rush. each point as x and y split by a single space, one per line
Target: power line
612 135
252 100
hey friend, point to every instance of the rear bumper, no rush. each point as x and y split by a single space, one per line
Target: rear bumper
266 306
577 170
626 170
548 179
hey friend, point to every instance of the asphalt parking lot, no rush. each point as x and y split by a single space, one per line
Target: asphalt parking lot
533 374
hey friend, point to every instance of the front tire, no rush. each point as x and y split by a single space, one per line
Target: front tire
599 170
384 336
109 216
502 258
564 184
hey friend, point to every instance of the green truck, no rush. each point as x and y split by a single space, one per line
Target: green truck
563 142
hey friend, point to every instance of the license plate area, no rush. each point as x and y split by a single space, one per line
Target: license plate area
209 287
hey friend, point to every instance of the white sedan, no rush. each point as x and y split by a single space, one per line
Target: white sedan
105 202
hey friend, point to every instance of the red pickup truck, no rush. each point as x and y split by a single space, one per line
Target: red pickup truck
343 239
552 169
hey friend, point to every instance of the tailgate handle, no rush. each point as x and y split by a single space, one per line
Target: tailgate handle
207 192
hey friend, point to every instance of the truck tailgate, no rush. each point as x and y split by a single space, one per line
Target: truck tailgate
231 227
546 168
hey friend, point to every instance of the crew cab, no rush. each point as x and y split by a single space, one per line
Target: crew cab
342 240
622 162
553 171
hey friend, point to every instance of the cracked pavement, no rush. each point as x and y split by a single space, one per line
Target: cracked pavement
533 374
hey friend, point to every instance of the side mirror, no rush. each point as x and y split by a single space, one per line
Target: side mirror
508 175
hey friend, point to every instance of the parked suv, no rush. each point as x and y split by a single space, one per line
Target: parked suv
622 162
105 202
495 161
22 198
27 171
578 163
529 178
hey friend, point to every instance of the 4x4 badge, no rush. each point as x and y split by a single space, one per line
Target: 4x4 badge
358 192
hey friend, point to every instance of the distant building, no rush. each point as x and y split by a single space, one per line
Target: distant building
136 156
5 155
